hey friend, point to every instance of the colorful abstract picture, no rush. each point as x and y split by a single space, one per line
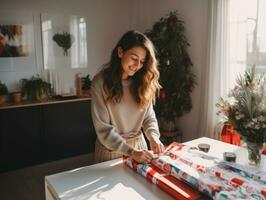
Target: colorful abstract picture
12 41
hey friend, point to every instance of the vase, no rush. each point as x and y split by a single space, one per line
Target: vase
254 152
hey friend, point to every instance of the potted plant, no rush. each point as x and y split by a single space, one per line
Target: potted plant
86 85
3 92
176 75
36 89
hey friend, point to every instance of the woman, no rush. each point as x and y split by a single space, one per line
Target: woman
122 97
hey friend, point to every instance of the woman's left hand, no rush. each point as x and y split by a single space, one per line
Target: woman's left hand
156 145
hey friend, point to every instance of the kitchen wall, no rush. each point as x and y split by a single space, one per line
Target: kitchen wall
107 20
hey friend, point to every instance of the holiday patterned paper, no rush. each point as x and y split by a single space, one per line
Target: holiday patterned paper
169 184
210 175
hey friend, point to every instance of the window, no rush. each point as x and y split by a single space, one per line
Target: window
79 48
46 27
247 33
64 50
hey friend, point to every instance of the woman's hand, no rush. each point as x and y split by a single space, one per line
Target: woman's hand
142 156
156 145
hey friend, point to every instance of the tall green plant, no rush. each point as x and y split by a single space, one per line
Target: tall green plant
175 66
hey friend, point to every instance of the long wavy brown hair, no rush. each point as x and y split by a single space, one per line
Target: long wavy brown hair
145 84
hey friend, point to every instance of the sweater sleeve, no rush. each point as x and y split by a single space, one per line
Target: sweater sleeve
150 124
106 132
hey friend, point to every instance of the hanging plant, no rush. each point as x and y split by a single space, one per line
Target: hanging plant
175 66
64 40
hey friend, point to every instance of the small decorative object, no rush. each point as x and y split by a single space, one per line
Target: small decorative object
16 96
229 134
78 85
229 156
245 109
86 86
176 72
3 92
36 89
204 147
64 40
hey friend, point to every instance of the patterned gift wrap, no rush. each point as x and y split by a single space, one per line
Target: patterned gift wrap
210 175
169 184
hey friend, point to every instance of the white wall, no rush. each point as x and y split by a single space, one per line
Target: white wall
194 13
107 20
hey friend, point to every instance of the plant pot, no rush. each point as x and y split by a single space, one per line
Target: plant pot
2 99
38 95
86 93
16 96
168 125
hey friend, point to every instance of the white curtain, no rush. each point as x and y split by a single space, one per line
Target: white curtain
219 76
247 32
236 42
79 47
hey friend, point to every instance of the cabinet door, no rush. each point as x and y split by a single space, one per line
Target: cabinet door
92 133
67 129
20 137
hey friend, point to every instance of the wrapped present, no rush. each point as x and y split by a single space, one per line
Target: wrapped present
169 184
210 175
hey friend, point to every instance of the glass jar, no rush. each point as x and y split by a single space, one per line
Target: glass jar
254 152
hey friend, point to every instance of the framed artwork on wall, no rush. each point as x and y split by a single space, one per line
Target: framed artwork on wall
17 51
12 43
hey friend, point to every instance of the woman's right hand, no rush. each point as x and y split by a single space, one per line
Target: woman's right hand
142 156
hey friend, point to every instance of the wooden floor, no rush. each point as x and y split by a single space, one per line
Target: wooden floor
28 183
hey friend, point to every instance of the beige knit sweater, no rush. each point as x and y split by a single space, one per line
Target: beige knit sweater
116 122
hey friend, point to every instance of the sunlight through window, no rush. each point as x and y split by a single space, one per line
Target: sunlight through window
247 33
79 48
46 27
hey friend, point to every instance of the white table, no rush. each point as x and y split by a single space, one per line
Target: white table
113 180
217 148
103 181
